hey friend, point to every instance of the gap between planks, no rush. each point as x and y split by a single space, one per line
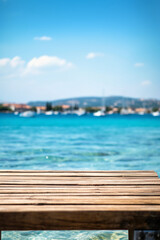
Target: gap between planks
91 182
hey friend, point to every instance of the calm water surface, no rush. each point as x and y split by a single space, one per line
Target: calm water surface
79 143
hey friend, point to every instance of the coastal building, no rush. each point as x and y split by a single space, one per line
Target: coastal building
17 107
140 110
40 109
66 107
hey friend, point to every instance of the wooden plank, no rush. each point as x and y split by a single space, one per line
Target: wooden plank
60 200
131 234
81 182
53 199
79 220
77 178
47 186
84 193
80 174
54 186
116 191
78 181
85 207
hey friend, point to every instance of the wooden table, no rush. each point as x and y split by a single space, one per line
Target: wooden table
79 200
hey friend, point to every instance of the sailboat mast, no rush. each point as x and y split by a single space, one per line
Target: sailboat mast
103 101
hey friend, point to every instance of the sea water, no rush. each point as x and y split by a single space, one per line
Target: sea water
113 142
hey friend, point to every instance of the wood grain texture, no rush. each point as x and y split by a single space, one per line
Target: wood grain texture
149 190
79 220
86 200
30 173
73 208
21 180
32 199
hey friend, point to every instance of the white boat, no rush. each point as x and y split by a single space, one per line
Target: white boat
65 113
99 113
80 112
124 111
55 112
156 114
141 113
110 112
16 113
49 113
27 114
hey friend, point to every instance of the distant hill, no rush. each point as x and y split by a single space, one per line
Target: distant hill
117 101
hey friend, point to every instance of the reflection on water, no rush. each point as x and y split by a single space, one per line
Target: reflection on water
78 143
65 235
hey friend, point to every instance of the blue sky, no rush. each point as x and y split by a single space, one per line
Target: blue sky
51 49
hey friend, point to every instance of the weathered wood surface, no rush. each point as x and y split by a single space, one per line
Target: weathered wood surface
79 173
86 200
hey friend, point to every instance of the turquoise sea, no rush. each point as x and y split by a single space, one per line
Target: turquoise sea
113 142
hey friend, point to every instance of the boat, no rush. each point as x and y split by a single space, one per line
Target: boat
55 112
99 113
124 111
155 114
141 113
16 113
27 114
49 113
80 112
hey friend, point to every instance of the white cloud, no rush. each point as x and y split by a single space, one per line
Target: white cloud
4 62
139 64
14 62
146 83
43 38
46 61
35 65
17 67
11 67
92 55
